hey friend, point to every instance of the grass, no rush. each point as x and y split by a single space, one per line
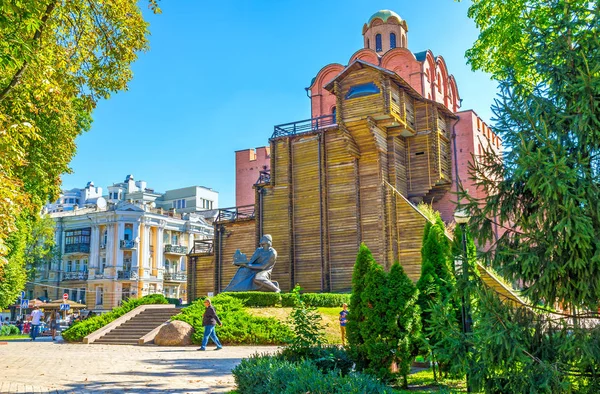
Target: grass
422 382
330 320
9 337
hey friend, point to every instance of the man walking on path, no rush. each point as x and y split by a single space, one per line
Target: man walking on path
209 321
343 321
36 317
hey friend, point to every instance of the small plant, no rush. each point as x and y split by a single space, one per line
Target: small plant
306 323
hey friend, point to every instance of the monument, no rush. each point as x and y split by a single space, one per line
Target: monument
255 274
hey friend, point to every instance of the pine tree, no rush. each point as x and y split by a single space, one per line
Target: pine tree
357 308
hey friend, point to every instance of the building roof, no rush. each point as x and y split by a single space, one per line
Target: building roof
384 15
420 56
358 63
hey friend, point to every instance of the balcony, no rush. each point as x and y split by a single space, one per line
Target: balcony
175 276
127 275
77 248
204 246
127 244
175 249
303 126
235 213
75 275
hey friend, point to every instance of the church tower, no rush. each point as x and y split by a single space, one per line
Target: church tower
385 30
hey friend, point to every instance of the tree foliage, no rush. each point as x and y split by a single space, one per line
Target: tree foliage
437 279
544 191
57 59
385 319
357 307
307 324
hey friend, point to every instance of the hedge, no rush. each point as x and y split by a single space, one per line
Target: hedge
267 374
81 329
269 299
239 327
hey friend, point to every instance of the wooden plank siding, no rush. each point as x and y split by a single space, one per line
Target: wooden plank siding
342 211
276 218
307 213
235 235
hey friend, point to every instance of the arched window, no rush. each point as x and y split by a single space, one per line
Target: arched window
334 113
128 234
368 43
392 41
439 82
378 46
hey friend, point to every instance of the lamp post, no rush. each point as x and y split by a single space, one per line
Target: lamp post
461 217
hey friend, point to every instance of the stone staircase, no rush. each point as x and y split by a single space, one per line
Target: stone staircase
132 330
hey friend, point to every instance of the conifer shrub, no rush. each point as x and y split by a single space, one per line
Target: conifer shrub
239 327
358 308
80 330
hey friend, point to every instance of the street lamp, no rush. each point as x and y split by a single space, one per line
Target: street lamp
461 217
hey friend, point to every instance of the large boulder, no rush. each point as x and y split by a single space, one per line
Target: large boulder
176 333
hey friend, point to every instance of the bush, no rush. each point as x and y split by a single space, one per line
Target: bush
239 327
268 374
269 299
328 300
81 329
325 358
9 330
257 298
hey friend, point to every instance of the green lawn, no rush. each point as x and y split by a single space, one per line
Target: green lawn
9 337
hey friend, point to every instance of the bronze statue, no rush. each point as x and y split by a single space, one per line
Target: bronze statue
255 274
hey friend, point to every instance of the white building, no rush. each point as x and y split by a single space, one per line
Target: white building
124 248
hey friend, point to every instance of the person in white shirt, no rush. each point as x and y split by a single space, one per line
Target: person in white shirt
36 318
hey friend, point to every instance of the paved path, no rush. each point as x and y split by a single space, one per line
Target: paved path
44 366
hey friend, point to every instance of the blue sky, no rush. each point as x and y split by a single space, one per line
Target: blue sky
219 75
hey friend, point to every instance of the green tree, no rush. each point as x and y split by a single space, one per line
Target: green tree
542 193
405 326
57 59
307 324
544 190
358 308
437 284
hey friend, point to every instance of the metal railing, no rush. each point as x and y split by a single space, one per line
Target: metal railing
179 249
203 246
264 177
303 126
235 213
175 276
75 275
127 274
127 244
77 248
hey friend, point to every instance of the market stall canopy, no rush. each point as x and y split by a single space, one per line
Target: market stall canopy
56 304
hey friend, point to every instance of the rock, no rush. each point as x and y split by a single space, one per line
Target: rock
176 333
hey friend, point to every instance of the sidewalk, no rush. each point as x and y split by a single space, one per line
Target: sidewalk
44 366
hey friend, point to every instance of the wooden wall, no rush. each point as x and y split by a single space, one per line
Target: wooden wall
342 209
235 235
277 211
307 211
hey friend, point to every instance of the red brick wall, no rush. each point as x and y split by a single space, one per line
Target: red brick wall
248 164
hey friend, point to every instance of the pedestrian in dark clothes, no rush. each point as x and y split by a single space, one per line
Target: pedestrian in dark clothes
209 321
